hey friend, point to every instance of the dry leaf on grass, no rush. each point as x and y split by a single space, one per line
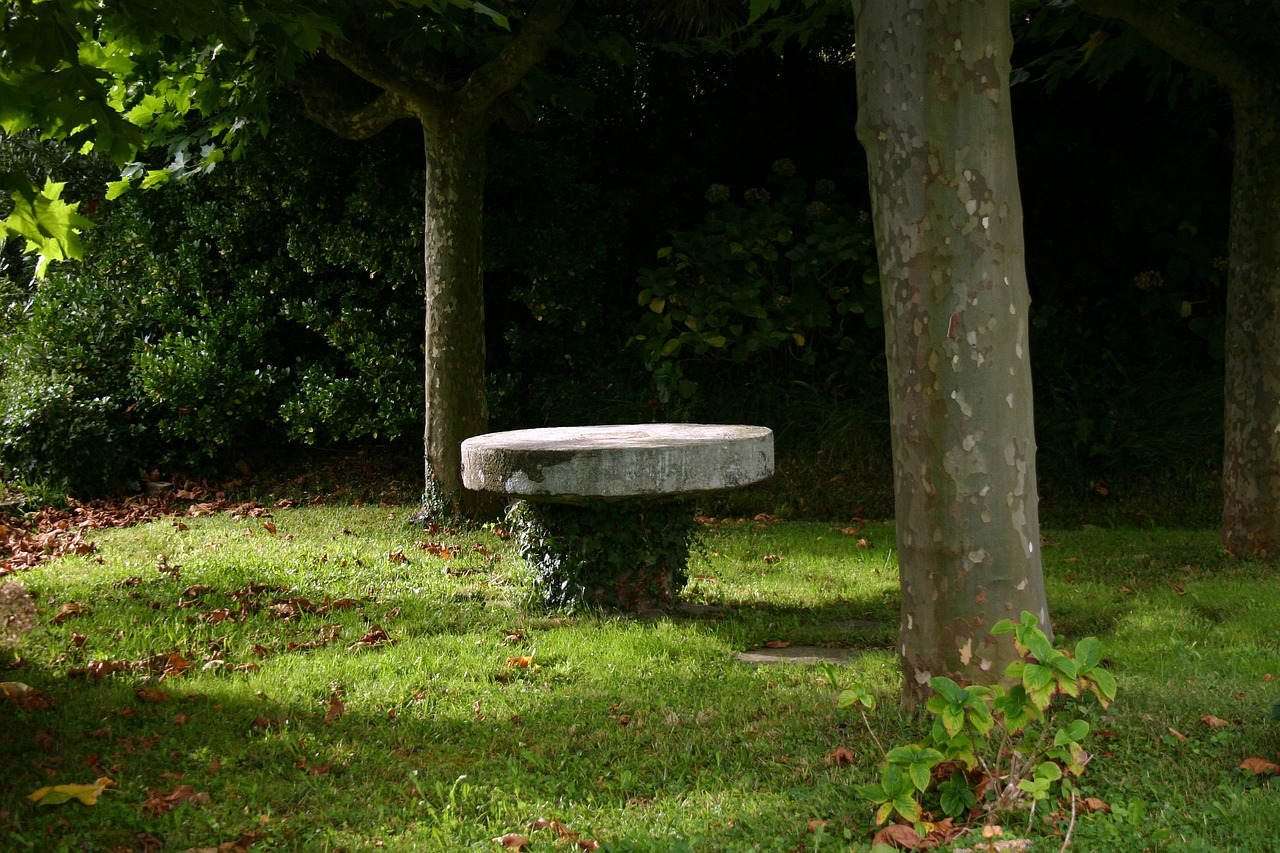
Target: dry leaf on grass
1214 722
375 637
841 755
158 802
24 696
1260 766
513 840
58 794
898 835
335 708
70 609
1093 804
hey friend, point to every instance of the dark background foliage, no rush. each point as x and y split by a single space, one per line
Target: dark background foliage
678 236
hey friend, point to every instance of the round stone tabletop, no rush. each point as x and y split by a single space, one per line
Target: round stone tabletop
624 461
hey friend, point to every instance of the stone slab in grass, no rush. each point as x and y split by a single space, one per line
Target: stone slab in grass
798 654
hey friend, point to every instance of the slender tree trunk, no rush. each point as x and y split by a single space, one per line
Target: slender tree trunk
455 116
1251 457
455 363
935 121
1251 417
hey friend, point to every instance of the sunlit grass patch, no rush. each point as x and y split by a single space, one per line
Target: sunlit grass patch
336 677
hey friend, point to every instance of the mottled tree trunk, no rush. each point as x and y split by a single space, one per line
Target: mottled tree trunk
934 119
1251 458
455 114
1251 419
455 360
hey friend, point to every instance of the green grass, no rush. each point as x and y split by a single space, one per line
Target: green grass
645 734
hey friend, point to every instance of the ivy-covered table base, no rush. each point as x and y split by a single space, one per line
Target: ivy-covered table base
601 513
630 554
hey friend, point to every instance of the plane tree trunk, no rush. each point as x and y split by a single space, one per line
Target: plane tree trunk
455 115
1251 415
455 356
935 121
1251 458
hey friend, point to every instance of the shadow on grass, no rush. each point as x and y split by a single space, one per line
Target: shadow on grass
662 748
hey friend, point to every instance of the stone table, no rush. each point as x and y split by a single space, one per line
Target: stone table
598 514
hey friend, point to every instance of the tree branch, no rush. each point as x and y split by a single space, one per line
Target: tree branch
376 67
1186 40
326 101
505 71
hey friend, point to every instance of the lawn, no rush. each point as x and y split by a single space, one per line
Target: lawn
338 678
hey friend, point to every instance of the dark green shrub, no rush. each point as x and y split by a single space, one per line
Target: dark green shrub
623 554
52 430
277 299
772 281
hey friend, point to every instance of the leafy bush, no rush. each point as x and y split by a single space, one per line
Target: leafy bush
277 299
995 749
778 276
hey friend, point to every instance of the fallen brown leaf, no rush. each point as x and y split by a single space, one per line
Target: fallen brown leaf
1214 722
898 835
778 644
1179 735
175 665
1260 766
1093 804
70 609
158 802
336 708
841 755
375 637
513 840
24 696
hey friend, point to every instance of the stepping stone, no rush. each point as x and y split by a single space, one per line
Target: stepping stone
798 654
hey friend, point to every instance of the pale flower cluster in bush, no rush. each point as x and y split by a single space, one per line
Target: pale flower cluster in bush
17 613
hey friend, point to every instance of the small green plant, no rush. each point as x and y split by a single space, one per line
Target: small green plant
993 749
